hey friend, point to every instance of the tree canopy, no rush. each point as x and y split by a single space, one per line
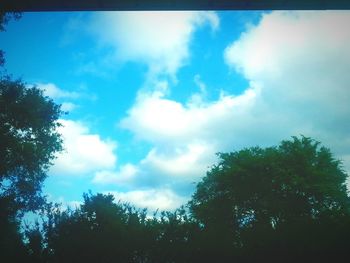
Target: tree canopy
253 196
273 185
28 143
28 140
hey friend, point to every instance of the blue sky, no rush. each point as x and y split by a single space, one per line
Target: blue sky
152 96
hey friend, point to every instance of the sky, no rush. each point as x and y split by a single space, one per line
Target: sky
151 97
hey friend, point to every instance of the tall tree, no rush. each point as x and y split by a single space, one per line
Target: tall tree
28 143
254 195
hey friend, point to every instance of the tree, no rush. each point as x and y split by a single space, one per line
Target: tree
253 197
5 17
28 143
12 248
104 231
174 237
99 231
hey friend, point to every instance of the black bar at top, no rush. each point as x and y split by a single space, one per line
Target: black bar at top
104 5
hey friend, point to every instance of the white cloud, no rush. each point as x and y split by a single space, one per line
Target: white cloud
68 106
125 174
176 168
162 199
52 91
301 61
159 39
185 162
160 120
299 57
84 152
317 37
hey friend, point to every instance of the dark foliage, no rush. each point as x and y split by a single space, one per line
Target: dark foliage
285 203
28 142
104 231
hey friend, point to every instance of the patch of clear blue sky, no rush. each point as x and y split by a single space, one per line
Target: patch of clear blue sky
207 58
41 48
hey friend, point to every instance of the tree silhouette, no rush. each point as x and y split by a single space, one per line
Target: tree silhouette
99 231
105 231
286 203
273 201
28 142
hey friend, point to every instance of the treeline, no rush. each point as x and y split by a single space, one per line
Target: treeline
104 231
278 204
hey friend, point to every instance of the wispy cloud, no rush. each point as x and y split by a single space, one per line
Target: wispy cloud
68 106
159 39
158 119
60 95
125 175
65 97
54 92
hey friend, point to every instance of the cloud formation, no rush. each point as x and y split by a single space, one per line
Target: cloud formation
84 152
158 119
300 60
159 39
296 64
185 138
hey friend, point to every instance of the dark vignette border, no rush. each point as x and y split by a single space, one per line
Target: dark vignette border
123 5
